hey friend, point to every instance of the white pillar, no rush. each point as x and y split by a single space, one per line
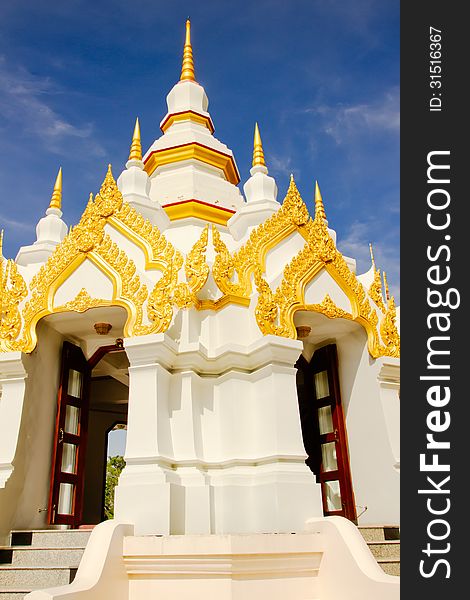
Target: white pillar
143 494
214 443
12 388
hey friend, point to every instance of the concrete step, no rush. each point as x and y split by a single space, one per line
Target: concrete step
13 594
391 567
34 578
51 538
384 543
39 559
378 533
385 550
30 556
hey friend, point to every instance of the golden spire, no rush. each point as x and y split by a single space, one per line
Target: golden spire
387 292
1 244
136 147
187 70
258 154
319 208
56 198
372 257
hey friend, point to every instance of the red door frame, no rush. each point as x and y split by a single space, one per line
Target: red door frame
326 359
73 358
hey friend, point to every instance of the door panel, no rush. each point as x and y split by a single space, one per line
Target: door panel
66 497
324 431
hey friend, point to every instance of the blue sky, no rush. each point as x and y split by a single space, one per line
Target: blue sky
320 77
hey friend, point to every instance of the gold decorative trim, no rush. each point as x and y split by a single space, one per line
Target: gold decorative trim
13 291
328 308
375 290
88 241
197 272
222 302
389 331
223 269
56 198
275 310
200 210
135 152
82 302
194 151
152 312
187 68
187 115
158 251
291 217
258 154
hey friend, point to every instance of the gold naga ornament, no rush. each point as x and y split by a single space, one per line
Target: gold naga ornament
13 291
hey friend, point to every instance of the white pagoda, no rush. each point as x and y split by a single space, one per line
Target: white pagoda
256 372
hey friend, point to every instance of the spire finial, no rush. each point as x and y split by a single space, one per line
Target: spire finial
1 243
56 198
387 291
258 154
187 69
136 147
319 207
372 256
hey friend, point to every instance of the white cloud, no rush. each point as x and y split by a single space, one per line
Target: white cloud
18 225
281 165
356 245
342 122
23 103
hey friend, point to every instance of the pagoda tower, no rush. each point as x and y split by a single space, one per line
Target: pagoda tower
256 372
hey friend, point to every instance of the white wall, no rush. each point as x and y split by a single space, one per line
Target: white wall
376 481
27 490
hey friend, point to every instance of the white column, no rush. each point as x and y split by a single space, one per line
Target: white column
214 443
389 382
190 493
269 488
12 388
143 494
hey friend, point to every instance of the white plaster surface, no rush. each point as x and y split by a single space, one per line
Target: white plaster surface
88 276
323 284
28 446
376 481
224 422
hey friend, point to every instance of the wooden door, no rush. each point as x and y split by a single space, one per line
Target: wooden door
66 497
324 431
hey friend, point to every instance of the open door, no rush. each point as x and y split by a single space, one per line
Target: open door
324 430
66 497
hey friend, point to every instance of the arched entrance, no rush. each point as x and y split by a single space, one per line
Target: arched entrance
92 397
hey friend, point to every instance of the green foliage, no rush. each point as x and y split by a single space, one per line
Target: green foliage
114 467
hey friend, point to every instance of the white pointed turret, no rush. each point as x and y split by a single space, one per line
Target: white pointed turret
50 230
192 173
260 192
134 185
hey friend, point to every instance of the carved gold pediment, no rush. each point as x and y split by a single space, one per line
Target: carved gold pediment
182 279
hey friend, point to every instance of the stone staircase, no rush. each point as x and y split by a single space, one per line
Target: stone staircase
48 558
384 543
40 559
